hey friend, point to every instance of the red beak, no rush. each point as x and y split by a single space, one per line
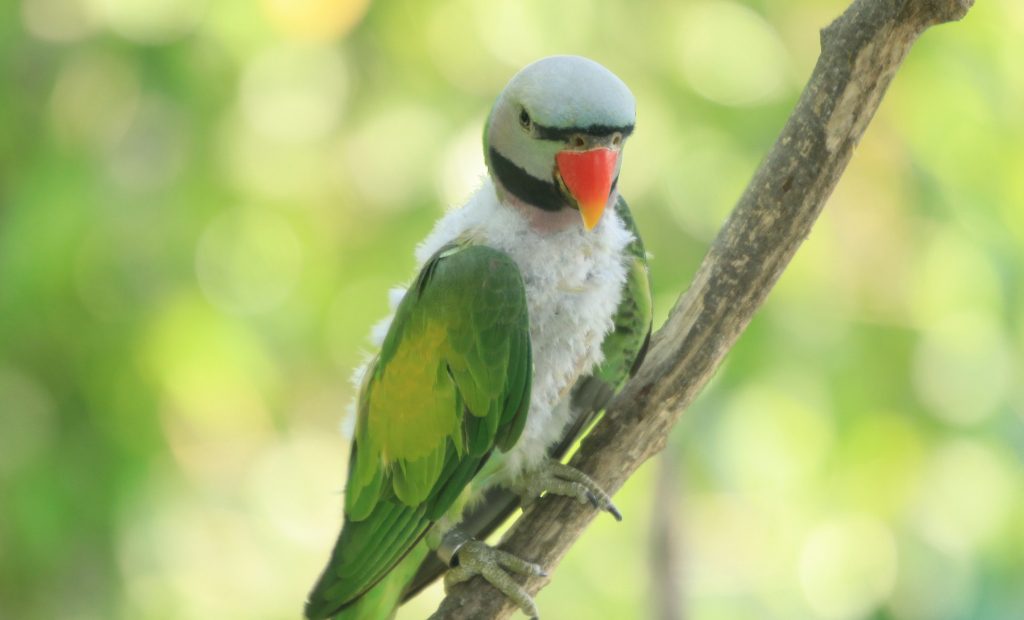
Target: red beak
588 175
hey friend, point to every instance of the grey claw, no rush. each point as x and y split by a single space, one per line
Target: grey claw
615 512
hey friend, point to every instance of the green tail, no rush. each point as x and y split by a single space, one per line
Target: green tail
381 602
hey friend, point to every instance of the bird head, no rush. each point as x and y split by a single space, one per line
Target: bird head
554 137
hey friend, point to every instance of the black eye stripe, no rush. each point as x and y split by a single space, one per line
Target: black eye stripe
560 134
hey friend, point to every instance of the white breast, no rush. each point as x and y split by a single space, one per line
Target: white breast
574 282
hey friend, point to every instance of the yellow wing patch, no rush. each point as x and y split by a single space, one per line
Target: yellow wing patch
412 403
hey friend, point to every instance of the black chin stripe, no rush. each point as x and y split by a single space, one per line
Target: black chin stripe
531 190
561 134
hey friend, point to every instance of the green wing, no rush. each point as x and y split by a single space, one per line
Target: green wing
625 347
451 383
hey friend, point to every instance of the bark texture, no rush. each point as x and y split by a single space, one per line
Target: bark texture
860 53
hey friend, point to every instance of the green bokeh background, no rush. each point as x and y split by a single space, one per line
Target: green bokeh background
203 205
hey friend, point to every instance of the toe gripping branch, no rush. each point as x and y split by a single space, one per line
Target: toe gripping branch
469 558
560 479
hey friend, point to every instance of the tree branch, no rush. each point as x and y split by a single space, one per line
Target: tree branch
860 53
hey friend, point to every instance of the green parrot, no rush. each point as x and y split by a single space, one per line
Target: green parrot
530 309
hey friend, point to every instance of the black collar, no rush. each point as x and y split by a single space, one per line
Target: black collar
524 186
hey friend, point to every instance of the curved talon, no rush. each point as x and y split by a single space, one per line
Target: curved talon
476 558
614 511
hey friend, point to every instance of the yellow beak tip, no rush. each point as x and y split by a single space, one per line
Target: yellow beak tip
591 215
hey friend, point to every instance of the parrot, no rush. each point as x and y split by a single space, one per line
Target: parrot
530 308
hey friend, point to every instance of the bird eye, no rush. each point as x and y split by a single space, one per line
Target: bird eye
524 119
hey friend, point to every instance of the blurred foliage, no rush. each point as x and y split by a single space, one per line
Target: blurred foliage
202 205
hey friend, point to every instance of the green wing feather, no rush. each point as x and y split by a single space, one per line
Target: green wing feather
450 384
625 347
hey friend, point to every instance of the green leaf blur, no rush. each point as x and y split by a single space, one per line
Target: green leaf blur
203 205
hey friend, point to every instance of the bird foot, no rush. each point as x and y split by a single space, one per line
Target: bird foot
560 479
473 557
